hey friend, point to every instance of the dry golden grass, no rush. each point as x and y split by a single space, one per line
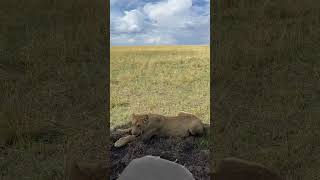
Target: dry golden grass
159 79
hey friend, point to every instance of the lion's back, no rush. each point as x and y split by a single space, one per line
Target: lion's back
177 126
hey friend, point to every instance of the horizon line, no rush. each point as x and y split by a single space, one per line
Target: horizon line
163 45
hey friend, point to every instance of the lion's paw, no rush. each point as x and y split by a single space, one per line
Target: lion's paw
124 140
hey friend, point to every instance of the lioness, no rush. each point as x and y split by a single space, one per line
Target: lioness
144 126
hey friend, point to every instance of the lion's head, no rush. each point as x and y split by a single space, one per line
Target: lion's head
139 123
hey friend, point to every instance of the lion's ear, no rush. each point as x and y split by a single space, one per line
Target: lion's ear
133 115
145 118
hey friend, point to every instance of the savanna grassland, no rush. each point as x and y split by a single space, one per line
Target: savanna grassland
159 79
163 80
266 84
53 76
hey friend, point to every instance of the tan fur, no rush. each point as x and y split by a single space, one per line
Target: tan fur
144 126
124 140
238 169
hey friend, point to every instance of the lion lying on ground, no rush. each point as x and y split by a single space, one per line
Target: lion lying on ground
144 126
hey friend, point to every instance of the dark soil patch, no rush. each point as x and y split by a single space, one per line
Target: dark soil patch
184 151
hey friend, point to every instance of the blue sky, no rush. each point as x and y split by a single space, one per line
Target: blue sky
159 22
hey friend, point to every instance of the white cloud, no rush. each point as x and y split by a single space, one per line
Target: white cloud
131 40
160 22
132 21
148 38
167 8
152 40
159 40
171 13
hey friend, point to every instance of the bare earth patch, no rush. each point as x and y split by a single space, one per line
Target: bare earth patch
184 151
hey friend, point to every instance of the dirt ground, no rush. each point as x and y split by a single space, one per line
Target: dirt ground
184 151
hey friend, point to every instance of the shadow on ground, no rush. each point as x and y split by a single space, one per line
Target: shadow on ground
185 151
